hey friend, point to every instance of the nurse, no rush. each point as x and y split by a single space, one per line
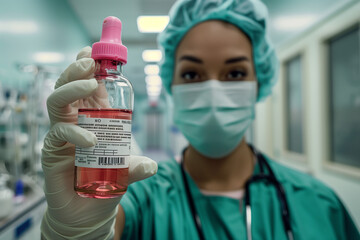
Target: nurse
218 64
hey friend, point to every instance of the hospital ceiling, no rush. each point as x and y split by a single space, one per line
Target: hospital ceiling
287 19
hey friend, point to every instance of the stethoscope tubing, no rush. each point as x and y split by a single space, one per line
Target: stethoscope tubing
195 216
256 178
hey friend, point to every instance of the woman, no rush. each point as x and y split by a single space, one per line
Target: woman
218 63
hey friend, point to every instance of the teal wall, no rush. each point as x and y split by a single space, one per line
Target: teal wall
57 29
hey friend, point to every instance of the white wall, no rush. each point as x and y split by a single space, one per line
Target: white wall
270 123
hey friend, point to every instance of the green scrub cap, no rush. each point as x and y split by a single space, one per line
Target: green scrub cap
248 15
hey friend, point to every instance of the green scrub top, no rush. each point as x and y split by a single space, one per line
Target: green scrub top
157 208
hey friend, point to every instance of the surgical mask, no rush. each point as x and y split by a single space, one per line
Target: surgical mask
214 115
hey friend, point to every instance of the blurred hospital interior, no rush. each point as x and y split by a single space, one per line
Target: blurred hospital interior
311 121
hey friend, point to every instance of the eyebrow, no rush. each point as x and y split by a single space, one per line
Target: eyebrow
191 58
236 59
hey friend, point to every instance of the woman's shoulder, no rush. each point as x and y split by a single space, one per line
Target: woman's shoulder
298 180
166 178
168 170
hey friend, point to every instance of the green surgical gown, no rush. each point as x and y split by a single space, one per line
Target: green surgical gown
157 208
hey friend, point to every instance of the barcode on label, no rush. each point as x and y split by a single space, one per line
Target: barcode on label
111 160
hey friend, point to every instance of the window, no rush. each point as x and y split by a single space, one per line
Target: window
294 105
344 97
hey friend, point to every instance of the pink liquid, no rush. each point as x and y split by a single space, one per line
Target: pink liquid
99 182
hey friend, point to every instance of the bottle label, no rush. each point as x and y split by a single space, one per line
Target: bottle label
113 147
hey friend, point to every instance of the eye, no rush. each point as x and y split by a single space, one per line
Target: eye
190 76
236 75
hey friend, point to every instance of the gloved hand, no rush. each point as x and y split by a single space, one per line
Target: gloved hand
68 215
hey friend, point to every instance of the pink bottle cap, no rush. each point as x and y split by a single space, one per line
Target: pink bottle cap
110 46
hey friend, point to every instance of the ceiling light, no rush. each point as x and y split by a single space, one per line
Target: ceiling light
152 55
293 23
152 24
48 57
18 27
153 90
153 100
154 94
151 69
153 80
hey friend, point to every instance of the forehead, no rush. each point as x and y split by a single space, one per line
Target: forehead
215 38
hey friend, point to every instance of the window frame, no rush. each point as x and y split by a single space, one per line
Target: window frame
299 158
327 162
286 106
300 161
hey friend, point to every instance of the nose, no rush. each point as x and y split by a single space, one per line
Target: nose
214 75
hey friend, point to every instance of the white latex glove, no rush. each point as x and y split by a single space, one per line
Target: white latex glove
68 215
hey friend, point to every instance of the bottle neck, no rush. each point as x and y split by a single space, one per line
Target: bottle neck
108 67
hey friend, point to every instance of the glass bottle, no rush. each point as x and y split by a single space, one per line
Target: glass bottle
102 171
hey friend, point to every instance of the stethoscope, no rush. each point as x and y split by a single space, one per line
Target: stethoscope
270 178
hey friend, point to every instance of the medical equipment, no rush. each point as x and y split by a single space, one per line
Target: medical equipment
6 197
68 215
262 176
30 110
101 171
214 108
